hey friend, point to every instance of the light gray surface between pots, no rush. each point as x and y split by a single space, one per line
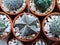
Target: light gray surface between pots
3 42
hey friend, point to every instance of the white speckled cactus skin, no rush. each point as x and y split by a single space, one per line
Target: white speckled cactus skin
52 26
13 4
26 26
4 25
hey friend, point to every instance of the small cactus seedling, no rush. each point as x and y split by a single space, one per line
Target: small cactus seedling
39 42
14 42
13 6
42 5
52 26
4 25
26 26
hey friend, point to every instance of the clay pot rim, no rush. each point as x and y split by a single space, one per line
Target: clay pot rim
40 13
10 25
50 38
20 11
55 43
16 39
41 40
23 39
57 4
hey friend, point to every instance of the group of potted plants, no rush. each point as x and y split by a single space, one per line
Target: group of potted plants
26 26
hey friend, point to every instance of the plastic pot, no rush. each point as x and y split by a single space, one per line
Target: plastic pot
5 25
37 7
11 8
24 27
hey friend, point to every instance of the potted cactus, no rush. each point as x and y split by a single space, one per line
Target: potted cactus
13 7
26 27
58 5
39 42
51 26
41 7
5 25
14 41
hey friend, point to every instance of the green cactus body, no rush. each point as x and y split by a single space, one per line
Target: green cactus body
55 27
52 26
27 25
42 5
2 26
13 4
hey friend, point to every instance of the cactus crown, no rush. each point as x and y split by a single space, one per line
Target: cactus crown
27 25
42 5
52 26
13 4
55 27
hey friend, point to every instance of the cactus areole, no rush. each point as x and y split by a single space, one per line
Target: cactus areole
51 25
42 5
26 27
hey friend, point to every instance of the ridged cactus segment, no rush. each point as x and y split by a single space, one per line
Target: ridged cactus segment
27 25
13 4
42 5
40 43
4 25
53 29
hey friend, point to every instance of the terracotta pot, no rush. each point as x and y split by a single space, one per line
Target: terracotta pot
0 3
39 40
47 28
12 11
24 39
57 6
19 42
34 11
8 29
56 43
